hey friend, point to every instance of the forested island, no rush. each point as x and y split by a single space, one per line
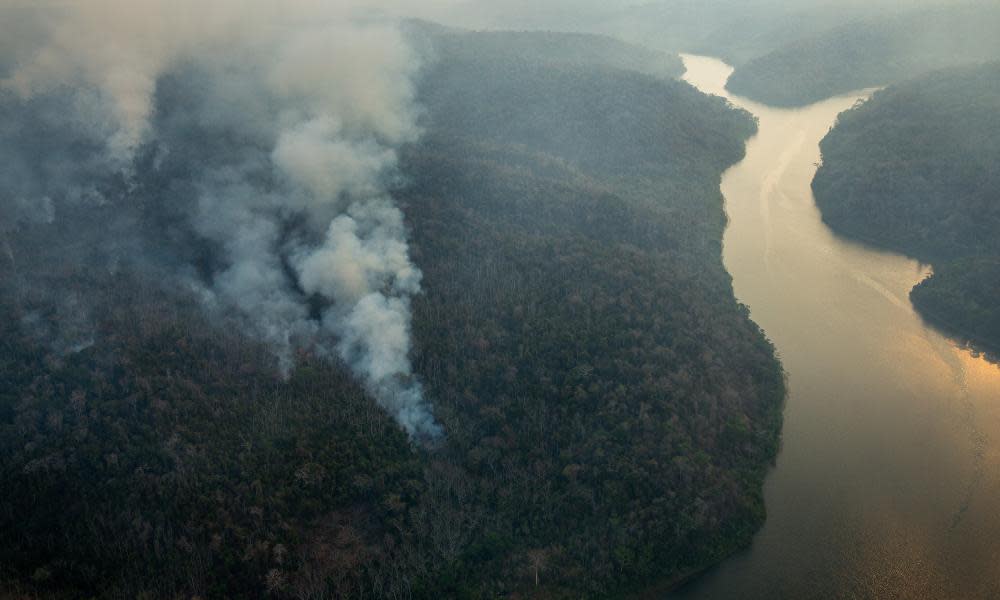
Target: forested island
914 170
608 409
870 51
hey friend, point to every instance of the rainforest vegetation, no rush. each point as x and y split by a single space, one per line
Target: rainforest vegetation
609 409
915 170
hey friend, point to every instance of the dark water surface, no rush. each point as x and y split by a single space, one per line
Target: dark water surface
888 482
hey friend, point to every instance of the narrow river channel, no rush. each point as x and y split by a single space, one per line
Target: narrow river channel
888 481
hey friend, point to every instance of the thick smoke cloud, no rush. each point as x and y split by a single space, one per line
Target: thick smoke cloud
268 128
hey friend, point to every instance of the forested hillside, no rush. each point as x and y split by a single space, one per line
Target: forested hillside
915 170
546 48
870 52
609 409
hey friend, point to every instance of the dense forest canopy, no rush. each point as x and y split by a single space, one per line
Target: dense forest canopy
871 52
915 170
609 410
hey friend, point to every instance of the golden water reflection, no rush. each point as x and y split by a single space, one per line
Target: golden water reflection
888 483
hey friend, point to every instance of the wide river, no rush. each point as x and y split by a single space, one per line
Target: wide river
888 481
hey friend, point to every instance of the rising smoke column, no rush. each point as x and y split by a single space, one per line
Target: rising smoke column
311 102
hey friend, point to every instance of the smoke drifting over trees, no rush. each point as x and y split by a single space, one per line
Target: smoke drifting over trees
264 132
609 406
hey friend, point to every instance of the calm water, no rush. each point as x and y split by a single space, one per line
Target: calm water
888 482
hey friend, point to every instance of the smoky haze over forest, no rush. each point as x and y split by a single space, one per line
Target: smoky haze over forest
419 300
272 129
277 127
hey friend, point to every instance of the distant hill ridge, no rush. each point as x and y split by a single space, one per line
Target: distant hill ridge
871 52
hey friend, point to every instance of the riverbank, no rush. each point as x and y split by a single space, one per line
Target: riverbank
887 466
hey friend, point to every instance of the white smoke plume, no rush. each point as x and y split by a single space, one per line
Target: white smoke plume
292 111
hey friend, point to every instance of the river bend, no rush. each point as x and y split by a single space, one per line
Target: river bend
888 481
